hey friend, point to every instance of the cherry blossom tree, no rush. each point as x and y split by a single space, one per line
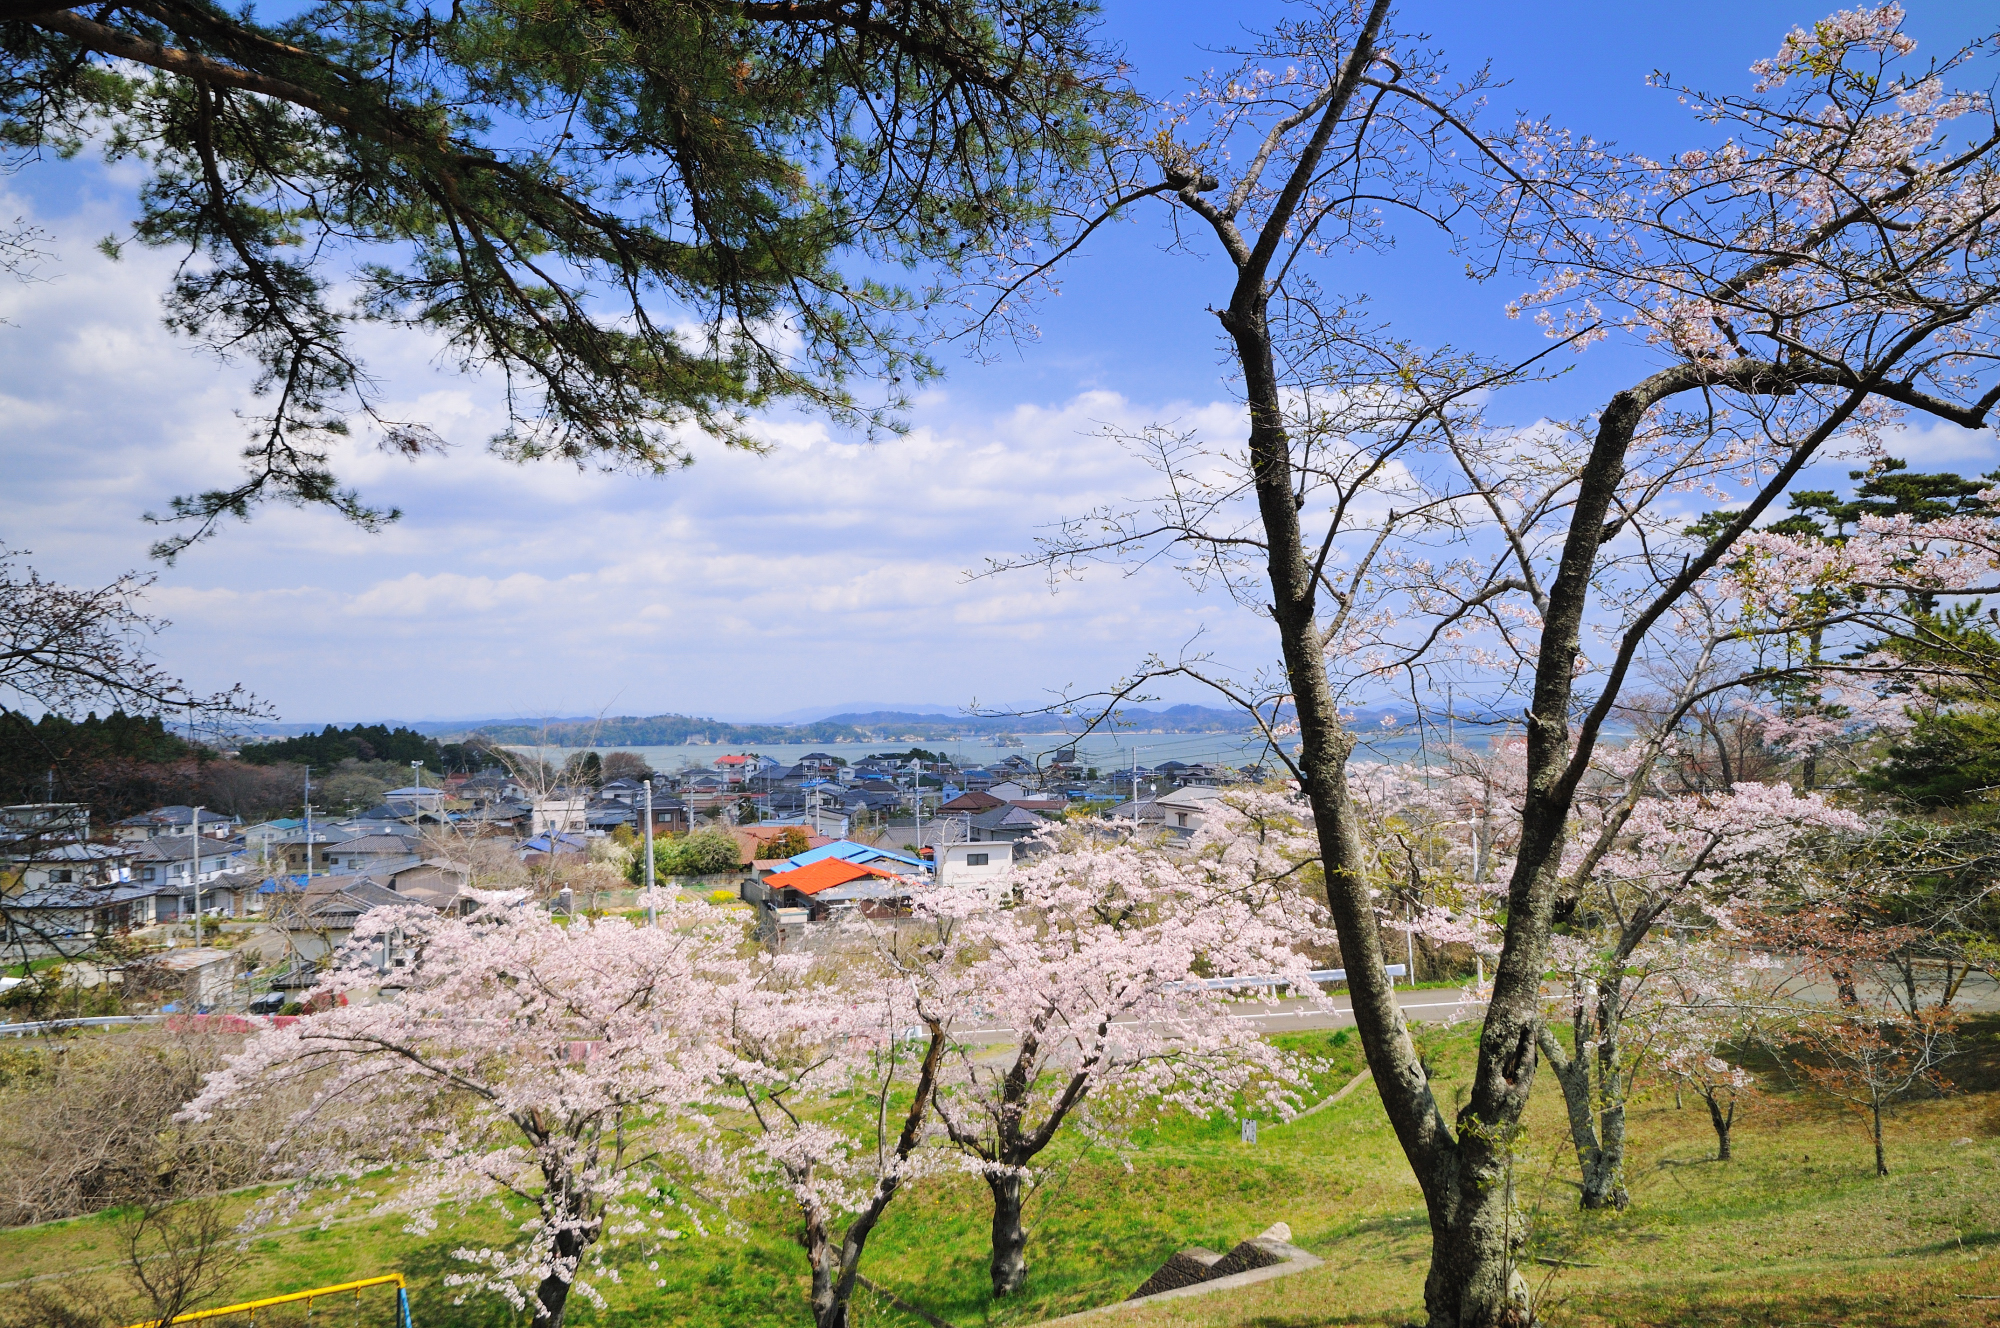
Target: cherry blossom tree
834 1062
1871 1055
1816 267
1715 1003
1093 979
560 1069
1692 861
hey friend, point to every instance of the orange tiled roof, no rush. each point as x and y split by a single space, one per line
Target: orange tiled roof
823 875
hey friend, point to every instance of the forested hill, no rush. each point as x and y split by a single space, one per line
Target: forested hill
873 726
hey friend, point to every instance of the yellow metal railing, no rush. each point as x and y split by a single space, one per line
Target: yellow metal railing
251 1307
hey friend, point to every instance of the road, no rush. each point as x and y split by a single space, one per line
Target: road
1291 1015
1980 994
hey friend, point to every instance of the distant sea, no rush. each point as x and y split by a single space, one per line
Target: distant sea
1106 751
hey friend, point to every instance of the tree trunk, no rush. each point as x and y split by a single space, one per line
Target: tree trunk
835 1268
552 1296
1466 1170
1607 1186
1722 1122
1010 1238
563 1207
1466 1175
1598 1164
823 1257
1881 1165
1474 1281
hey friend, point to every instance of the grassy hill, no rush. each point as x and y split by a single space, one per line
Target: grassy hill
1796 1230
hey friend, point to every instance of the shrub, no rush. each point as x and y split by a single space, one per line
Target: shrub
91 1124
703 853
792 840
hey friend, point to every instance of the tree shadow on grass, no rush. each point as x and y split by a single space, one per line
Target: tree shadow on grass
426 1266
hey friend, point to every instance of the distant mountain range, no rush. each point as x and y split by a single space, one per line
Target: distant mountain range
863 726
874 726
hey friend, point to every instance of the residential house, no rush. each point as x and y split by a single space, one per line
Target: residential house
204 977
488 786
167 859
45 820
165 822
1005 791
820 887
824 816
313 921
561 811
538 849
508 819
1005 825
437 882
625 791
68 919
405 813
289 853
1145 811
372 854
1185 810
260 841
970 803
981 867
1049 806
737 769
418 798
870 801
601 818
41 866
234 894
849 851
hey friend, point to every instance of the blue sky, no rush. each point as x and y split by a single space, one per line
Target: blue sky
828 571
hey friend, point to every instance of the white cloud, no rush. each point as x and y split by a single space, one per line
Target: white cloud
827 568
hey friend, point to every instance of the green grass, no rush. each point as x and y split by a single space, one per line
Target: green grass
1796 1230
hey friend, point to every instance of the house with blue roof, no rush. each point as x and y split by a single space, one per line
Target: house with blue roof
849 851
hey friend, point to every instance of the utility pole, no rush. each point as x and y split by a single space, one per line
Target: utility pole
309 825
1478 902
1410 941
195 872
651 919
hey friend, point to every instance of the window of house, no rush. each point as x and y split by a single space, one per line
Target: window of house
1180 818
62 876
146 873
975 859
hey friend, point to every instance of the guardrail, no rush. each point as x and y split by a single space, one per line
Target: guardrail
1278 980
63 1025
251 1307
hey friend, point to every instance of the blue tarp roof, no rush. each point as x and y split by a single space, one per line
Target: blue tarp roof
849 851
